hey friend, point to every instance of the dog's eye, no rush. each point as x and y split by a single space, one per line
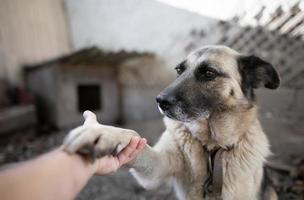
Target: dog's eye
180 68
209 74
205 73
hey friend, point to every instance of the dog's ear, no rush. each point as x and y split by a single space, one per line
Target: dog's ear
257 72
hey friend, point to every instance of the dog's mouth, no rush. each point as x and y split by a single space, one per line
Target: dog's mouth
168 114
160 110
179 114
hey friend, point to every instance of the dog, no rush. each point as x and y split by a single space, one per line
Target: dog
210 107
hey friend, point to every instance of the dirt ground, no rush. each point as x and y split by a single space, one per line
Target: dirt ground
287 140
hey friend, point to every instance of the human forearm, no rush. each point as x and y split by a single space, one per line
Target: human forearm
58 175
38 179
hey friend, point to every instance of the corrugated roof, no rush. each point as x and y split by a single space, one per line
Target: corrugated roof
91 55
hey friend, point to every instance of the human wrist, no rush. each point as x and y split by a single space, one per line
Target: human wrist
89 166
95 165
81 164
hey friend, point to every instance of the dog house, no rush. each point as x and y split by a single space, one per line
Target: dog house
85 80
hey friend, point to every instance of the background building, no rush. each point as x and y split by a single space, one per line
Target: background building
89 79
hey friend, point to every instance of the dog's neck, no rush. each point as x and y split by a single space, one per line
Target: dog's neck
224 129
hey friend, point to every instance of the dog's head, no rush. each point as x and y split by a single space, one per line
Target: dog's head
215 79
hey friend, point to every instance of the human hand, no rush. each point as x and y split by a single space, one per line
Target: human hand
110 163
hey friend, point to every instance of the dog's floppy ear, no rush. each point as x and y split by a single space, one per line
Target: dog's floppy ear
257 72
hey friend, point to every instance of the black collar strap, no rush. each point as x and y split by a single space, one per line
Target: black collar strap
214 182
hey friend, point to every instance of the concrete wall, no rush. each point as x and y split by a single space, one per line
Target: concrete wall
281 105
30 31
68 79
141 81
133 25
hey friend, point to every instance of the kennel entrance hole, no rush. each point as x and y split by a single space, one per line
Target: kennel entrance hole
89 97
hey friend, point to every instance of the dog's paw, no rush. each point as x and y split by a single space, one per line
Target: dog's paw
86 140
94 140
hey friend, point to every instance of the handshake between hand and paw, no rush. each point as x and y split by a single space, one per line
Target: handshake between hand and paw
93 140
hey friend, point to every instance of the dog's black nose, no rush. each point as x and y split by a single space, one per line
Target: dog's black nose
165 102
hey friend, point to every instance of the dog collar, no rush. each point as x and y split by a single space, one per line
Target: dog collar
214 182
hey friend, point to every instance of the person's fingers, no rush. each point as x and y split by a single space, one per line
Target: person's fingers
107 164
122 156
141 145
131 146
110 163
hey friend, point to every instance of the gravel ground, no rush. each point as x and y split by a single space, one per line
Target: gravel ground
288 148
122 186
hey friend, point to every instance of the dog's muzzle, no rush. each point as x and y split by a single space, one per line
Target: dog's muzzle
165 102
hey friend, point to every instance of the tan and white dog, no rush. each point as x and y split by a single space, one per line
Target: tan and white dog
210 105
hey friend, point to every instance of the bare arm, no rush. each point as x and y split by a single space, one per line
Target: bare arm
58 175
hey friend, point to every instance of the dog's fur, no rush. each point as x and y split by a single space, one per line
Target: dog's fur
211 104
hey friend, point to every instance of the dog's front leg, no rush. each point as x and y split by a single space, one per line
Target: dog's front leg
151 167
